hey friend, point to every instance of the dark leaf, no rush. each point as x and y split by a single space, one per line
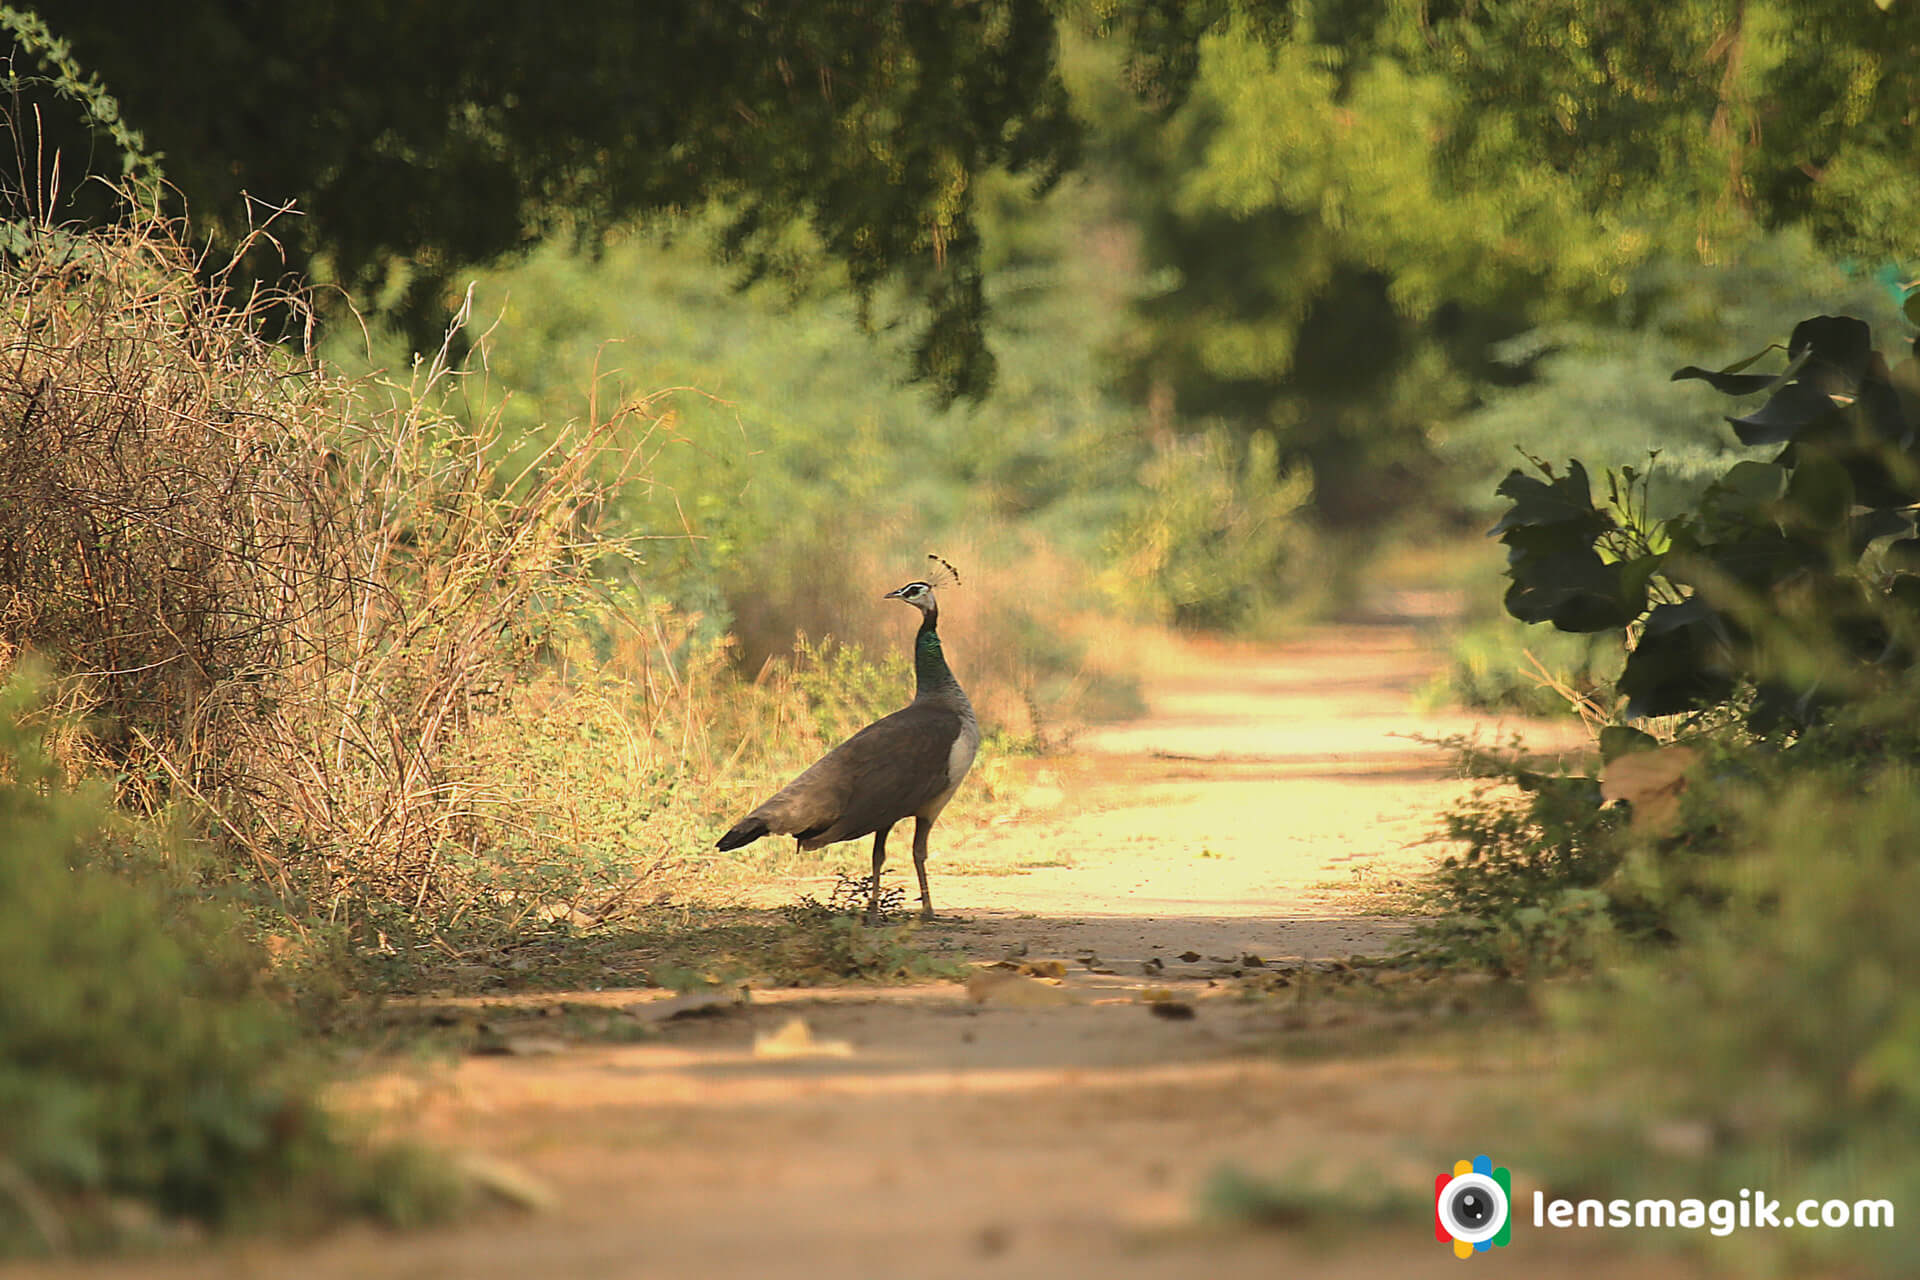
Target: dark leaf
1680 663
1879 403
1777 705
1903 555
1747 485
1790 413
1882 477
1905 591
1869 526
1765 558
1576 591
1565 500
1843 343
1820 493
1734 384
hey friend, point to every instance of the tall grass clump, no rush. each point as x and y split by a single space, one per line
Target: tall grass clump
287 600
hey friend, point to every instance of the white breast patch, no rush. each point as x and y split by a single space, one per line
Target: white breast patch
960 755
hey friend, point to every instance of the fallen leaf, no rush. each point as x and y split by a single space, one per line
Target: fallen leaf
1652 782
1015 990
795 1040
506 1181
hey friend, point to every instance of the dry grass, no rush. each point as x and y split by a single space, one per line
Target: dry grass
282 598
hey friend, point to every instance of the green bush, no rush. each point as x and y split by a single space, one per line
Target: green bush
1776 1044
1524 895
1218 537
139 1062
1790 585
1774 627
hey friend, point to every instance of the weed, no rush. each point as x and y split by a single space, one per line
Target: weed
1303 1200
848 898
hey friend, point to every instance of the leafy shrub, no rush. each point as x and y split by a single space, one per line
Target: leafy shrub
1596 386
139 1064
1776 626
1729 599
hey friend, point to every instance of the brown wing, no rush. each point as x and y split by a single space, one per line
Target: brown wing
885 772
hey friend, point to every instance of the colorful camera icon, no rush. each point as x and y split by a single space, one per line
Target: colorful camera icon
1472 1207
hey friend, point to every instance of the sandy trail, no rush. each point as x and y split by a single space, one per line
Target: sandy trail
1056 1131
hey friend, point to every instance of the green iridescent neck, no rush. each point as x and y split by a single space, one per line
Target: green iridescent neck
931 674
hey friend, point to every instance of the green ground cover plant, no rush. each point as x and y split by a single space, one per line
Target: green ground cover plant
153 1088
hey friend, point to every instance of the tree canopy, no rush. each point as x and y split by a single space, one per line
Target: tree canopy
415 138
1348 203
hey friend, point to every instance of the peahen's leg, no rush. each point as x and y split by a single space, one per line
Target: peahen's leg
879 861
922 827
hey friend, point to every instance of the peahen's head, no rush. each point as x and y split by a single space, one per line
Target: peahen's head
919 593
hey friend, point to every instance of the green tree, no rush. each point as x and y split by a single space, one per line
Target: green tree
1358 199
419 138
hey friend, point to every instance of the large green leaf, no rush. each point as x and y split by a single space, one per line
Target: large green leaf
1840 347
1559 576
1762 559
1736 383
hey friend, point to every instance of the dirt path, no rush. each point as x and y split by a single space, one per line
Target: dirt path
1048 1130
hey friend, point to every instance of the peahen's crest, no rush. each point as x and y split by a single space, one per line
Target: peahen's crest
942 573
